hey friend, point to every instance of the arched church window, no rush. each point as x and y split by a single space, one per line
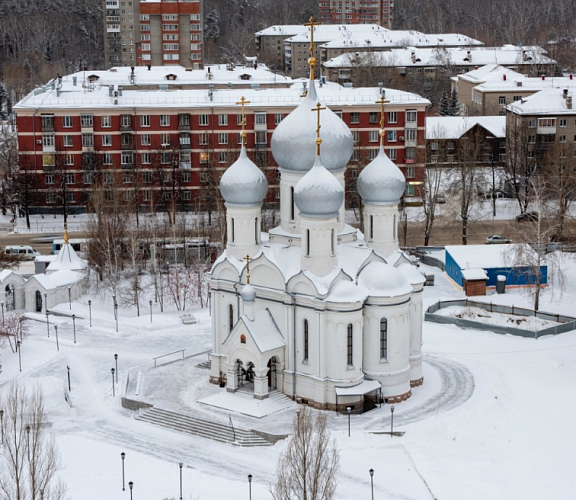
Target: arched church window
307 242
242 339
232 230
371 227
394 228
332 242
305 339
256 230
231 316
292 203
349 344
383 338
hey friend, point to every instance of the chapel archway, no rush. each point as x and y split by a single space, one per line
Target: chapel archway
38 301
10 298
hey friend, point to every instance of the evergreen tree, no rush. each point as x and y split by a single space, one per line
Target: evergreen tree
444 105
3 103
212 23
453 104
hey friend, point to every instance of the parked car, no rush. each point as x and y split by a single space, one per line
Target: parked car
440 198
496 239
23 252
527 216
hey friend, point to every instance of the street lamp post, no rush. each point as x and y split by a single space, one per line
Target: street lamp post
349 410
90 312
123 456
47 321
131 486
57 344
74 325
150 311
19 344
116 361
70 296
113 387
181 465
116 314
114 299
392 421
2 424
20 319
249 486
2 312
69 387
372 482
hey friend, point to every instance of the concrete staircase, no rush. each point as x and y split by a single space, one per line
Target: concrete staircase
204 428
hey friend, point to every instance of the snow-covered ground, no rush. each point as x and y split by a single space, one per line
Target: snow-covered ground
494 418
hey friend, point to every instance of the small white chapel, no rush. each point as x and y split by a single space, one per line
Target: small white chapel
315 309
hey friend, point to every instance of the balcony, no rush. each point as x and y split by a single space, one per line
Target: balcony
113 28
112 4
184 127
127 147
546 130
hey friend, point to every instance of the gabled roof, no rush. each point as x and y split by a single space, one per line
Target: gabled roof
454 127
66 260
263 330
543 103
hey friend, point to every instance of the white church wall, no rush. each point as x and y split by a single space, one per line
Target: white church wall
416 338
289 214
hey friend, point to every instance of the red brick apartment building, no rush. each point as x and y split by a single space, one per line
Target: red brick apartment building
159 146
357 12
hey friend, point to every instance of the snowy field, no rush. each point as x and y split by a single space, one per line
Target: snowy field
494 419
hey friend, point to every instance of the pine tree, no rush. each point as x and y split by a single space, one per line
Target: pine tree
212 23
3 103
444 105
453 105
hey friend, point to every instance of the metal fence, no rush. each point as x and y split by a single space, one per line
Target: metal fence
567 323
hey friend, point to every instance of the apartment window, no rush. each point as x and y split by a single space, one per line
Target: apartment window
356 136
450 158
126 139
51 197
87 140
434 146
411 116
450 145
170 27
146 195
164 120
305 340
392 154
562 138
184 120
164 157
349 339
49 179
165 139
186 195
373 117
222 120
531 123
186 177
170 46
108 178
434 159
373 136
502 99
144 17
129 195
48 140
127 177
169 17
86 120
562 122
67 121
239 138
392 117
126 121
383 339
107 158
194 17
238 119
410 134
88 178
222 157
69 179
278 117
203 139
147 177
144 27
68 141
127 158
71 197
223 138
546 122
105 121
145 140
170 37
391 135
260 137
410 171
260 118
47 121
106 140
531 139
354 117
373 153
144 120
502 157
203 120
184 139
145 158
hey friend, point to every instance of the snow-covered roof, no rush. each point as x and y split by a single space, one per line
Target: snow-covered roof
544 102
66 259
524 83
363 387
413 56
57 279
489 72
243 183
282 29
330 94
264 331
327 32
475 274
6 273
454 127
484 256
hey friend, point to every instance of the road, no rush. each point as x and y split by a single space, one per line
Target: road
44 247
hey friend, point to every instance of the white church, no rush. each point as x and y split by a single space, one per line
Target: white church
315 309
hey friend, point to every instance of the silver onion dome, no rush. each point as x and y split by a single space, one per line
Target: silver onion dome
381 182
243 183
318 194
293 144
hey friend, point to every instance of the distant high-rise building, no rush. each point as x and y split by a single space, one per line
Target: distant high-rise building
357 12
156 32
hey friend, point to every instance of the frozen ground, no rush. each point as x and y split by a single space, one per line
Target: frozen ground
494 418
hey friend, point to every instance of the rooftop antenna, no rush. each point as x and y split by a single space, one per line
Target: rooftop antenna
243 102
382 101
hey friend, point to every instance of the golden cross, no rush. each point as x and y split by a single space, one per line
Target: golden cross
317 109
243 102
312 45
247 259
382 101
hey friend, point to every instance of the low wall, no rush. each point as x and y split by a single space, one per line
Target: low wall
568 323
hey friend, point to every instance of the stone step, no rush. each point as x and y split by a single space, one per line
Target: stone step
200 427
206 365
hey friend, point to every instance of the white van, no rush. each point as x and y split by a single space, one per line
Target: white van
25 252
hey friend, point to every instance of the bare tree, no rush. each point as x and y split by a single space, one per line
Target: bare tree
29 458
307 469
12 328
